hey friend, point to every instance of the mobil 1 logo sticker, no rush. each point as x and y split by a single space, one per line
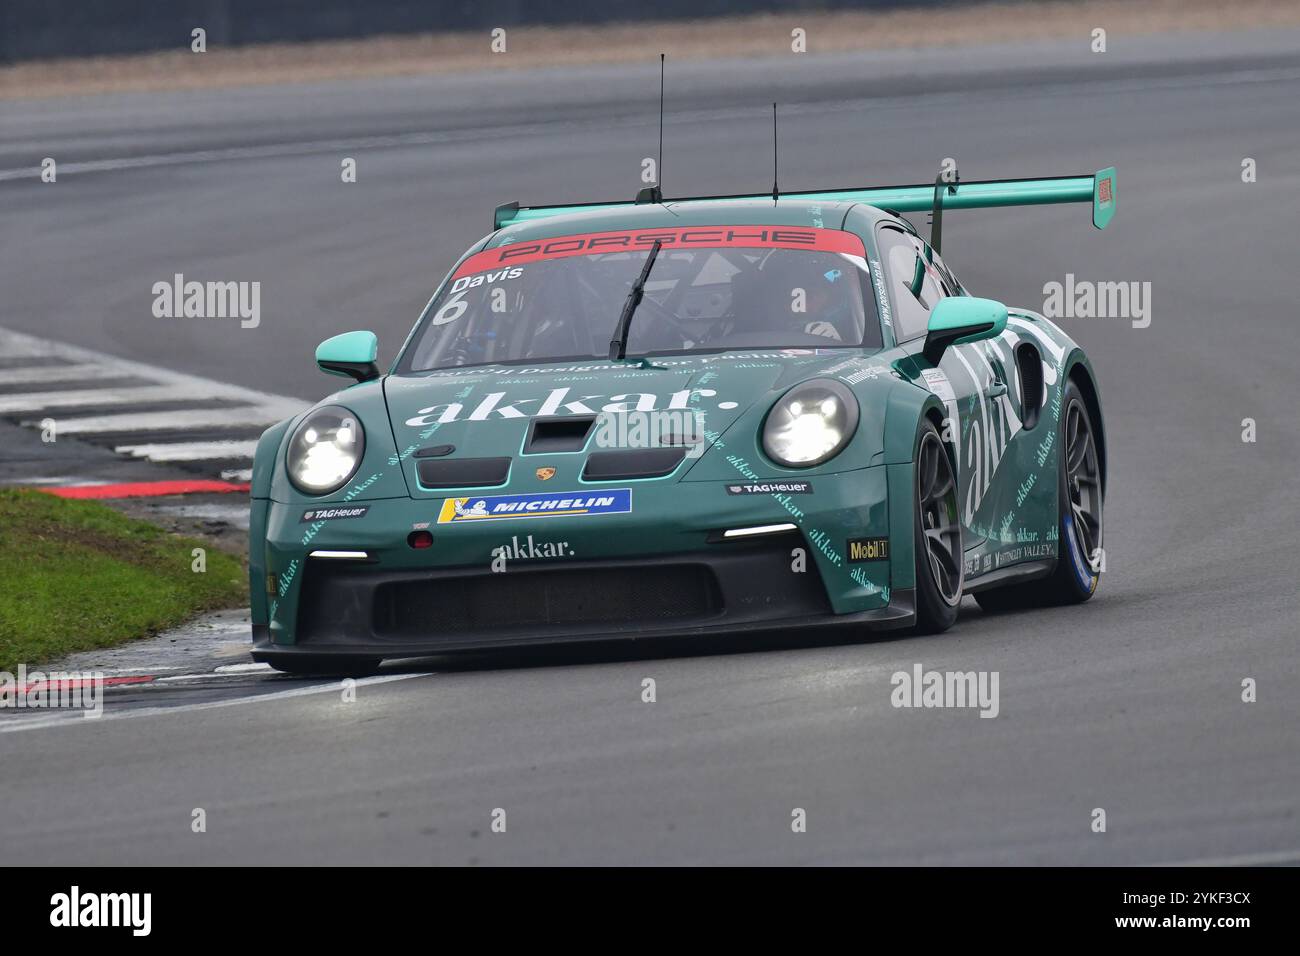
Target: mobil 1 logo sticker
868 549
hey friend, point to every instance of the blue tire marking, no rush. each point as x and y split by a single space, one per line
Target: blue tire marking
1081 571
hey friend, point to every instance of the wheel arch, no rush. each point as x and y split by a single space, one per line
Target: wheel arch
906 408
936 414
1080 372
266 456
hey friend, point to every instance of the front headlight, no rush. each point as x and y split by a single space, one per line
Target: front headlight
810 424
325 450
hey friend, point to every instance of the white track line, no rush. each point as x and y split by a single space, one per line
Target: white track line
237 474
28 374
259 417
70 480
274 150
17 345
67 717
96 398
20 344
86 411
190 450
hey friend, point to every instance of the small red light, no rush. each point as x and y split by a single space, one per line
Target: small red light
420 539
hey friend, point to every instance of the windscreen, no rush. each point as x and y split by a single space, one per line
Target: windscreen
709 289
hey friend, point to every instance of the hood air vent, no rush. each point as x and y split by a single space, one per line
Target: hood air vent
462 472
632 463
562 433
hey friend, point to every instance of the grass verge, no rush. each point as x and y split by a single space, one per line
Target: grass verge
77 575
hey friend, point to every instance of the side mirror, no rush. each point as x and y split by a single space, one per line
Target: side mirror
962 318
352 354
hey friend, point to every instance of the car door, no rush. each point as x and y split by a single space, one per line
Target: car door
970 379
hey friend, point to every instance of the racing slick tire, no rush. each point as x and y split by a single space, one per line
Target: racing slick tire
1079 521
940 569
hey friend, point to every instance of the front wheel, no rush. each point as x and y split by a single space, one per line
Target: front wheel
940 570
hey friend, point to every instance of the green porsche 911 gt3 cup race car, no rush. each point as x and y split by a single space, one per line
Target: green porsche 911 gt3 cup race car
687 417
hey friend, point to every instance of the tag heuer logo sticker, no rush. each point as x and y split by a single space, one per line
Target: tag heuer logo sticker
772 488
545 474
329 514
868 549
609 501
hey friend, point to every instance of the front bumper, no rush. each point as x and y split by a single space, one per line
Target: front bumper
662 570
360 610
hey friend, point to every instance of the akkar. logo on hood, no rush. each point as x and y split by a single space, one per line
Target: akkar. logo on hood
555 404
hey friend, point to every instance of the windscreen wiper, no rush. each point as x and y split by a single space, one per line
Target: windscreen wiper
618 344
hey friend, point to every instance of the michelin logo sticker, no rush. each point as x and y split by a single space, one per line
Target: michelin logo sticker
609 501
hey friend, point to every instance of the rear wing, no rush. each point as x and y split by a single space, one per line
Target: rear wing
1097 189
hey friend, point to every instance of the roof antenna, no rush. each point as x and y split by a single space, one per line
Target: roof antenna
775 191
941 184
655 193
659 163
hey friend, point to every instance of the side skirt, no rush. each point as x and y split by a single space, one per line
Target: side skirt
1015 573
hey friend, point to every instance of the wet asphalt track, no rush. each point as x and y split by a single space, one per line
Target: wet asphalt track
1131 703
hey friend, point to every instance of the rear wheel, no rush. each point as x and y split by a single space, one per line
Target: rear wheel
937 536
1079 523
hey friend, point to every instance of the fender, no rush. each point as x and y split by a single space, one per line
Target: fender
1078 366
906 406
266 456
